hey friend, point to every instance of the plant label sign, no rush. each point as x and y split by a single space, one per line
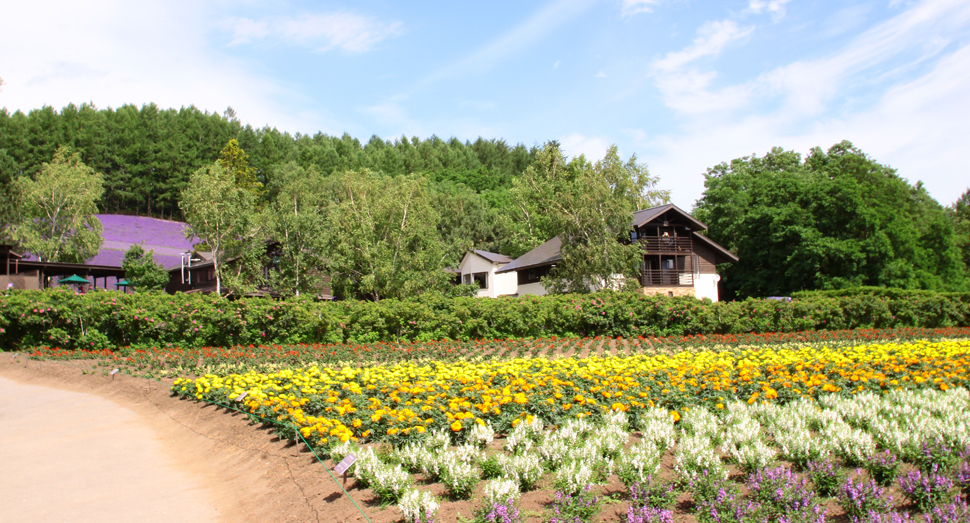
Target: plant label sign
242 396
113 373
345 464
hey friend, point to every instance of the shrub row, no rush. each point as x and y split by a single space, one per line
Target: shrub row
882 292
108 319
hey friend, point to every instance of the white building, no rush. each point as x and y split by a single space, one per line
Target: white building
481 268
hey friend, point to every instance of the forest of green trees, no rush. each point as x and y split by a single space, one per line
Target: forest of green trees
834 219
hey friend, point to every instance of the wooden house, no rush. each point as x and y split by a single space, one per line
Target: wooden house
677 259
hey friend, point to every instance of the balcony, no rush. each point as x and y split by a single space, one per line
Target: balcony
654 245
666 278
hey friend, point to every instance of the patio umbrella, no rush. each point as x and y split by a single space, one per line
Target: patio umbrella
74 278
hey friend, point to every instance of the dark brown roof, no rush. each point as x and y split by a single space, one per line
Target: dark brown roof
726 255
493 256
644 216
545 254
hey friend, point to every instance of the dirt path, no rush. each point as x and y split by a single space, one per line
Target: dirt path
76 457
79 446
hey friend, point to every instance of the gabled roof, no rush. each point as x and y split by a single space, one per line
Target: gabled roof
493 256
644 216
726 255
545 254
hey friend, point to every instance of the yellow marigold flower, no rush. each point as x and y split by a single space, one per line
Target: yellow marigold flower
456 426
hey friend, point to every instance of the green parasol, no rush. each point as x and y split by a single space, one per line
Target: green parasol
74 278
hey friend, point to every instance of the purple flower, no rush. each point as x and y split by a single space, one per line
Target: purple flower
648 515
926 489
859 499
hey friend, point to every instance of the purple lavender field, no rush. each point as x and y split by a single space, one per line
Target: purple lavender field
165 237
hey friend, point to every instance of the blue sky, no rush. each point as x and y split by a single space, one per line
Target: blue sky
682 84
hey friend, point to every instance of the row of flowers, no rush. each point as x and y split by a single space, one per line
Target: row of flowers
180 361
403 401
921 436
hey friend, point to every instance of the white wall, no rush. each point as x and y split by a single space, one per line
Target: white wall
705 286
532 288
498 284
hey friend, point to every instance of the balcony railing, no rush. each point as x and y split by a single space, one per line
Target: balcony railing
679 244
666 278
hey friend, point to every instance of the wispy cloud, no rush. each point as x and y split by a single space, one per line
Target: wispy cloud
110 55
322 32
712 38
593 147
511 43
687 89
776 8
632 7
905 73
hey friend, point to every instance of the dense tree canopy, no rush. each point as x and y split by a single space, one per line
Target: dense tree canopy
590 208
56 214
147 154
830 220
381 237
837 219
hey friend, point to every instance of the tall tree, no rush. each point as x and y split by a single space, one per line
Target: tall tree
837 219
590 207
234 160
296 219
959 214
381 237
58 222
220 213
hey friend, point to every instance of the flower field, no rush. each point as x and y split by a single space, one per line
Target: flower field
400 402
181 361
867 425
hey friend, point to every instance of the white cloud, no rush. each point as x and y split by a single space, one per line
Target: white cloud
712 38
912 118
774 7
688 90
593 147
601 74
112 53
322 32
632 7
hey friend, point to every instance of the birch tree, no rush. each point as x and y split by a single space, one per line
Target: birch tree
296 219
382 238
57 221
218 212
590 207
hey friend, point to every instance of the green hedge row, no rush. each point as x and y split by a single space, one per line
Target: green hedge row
108 319
882 292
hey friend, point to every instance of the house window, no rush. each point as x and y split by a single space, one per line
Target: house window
533 275
482 279
466 279
211 275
